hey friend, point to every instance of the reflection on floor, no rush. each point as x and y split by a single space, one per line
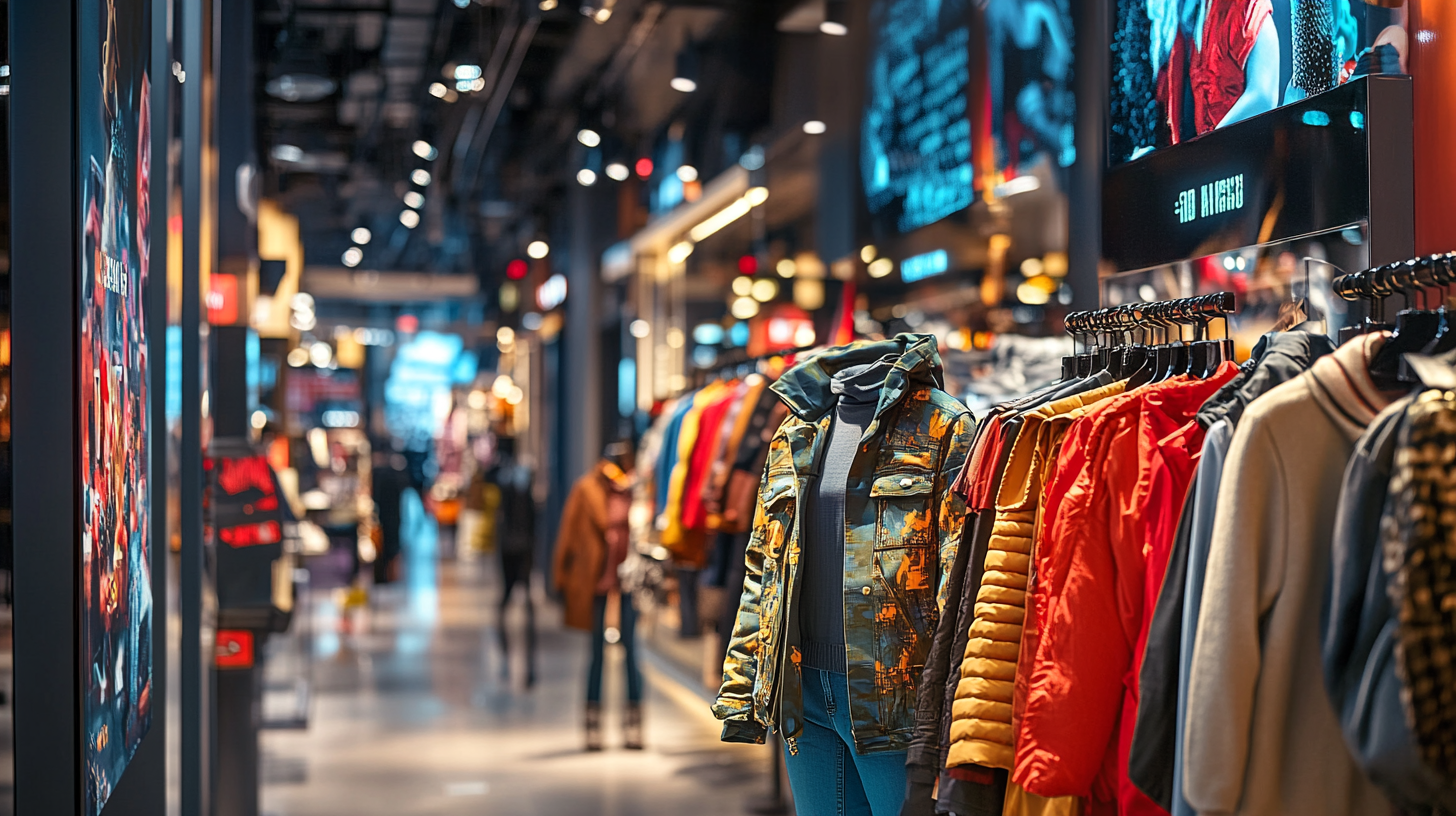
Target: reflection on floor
414 712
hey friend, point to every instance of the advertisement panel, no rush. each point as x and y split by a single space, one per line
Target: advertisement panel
961 97
1184 68
113 38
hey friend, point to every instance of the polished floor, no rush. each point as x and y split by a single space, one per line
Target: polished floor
414 709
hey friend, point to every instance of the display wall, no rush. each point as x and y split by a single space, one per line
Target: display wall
1183 68
114 48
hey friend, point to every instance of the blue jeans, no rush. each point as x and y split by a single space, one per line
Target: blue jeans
828 777
628 632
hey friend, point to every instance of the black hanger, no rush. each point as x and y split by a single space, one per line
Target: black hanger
1414 328
1147 369
1442 274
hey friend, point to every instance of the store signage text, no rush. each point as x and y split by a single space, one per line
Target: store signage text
920 267
1213 198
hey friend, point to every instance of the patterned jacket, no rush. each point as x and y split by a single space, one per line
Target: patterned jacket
903 528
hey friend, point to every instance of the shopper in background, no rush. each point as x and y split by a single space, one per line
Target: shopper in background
515 534
591 545
389 480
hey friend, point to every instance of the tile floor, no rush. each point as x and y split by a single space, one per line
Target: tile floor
413 713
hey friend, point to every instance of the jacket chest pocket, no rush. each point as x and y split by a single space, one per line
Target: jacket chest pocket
902 504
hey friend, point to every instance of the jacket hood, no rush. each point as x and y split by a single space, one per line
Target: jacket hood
805 388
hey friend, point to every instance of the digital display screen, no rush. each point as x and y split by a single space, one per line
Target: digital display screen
114 135
1184 68
962 96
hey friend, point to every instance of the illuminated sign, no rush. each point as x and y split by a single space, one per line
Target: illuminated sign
552 293
1213 198
928 265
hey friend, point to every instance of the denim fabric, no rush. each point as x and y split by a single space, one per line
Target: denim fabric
628 627
828 777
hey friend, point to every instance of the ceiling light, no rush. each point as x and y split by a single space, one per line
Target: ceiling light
320 354
786 268
410 219
687 173
881 267
538 249
298 357
836 18
616 171
467 71
756 196
868 252
414 200
353 256
589 137
287 153
743 308
425 150
814 127
421 177
685 70
721 219
505 336
361 235
438 90
546 5
742 286
680 251
640 328
1020 184
764 290
586 177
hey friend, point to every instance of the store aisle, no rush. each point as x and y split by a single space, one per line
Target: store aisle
412 715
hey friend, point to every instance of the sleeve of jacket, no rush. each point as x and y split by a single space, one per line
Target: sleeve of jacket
740 665
1245 570
924 752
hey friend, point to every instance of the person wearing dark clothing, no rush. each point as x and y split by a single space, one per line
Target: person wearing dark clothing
516 541
389 479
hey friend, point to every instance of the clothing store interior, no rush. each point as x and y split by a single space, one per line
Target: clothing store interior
719 407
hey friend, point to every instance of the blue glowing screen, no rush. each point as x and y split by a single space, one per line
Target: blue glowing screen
926 148
1184 68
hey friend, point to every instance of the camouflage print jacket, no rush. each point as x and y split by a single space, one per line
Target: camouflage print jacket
903 528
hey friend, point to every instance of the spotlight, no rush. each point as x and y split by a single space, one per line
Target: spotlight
589 137
685 75
586 177
616 171
425 150
547 5
353 256
287 153
836 18
687 173
438 90
414 200
421 177
410 219
814 127
538 249
361 235
467 72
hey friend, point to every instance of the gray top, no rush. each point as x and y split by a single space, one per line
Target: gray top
821 605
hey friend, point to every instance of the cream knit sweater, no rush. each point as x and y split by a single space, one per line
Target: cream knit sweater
1262 738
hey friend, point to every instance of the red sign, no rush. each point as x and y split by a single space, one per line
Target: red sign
222 299
234 649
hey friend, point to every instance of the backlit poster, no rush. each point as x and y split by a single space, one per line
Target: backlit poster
1182 68
961 97
114 45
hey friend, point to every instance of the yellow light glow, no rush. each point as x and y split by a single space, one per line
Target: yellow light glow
881 267
868 252
721 219
742 286
680 251
743 308
764 290
786 268
756 196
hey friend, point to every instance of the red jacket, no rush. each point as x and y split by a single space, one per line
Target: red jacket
1108 527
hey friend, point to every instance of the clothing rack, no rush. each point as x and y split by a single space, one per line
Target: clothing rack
1407 278
734 366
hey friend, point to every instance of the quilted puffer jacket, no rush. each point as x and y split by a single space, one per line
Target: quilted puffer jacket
903 525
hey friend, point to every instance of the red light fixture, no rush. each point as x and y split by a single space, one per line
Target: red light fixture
747 265
644 167
517 269
406 324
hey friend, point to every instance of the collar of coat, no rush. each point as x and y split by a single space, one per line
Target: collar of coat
1343 386
805 388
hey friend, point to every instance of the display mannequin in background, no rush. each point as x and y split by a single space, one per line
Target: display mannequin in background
591 545
854 536
515 534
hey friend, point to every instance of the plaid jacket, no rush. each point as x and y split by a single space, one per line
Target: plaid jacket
903 531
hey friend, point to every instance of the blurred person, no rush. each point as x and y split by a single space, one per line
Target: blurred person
514 531
592 544
389 479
